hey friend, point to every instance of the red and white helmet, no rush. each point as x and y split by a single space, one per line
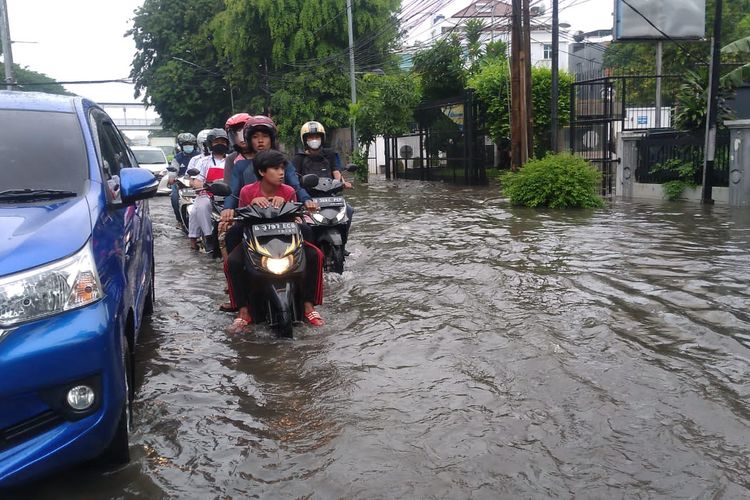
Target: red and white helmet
234 128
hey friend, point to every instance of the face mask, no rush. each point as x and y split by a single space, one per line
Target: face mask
188 149
221 149
313 143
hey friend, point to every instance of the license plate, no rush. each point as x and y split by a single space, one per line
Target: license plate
334 201
274 228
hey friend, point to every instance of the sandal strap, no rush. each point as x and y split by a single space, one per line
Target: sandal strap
313 315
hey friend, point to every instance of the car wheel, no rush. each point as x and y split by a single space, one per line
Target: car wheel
118 450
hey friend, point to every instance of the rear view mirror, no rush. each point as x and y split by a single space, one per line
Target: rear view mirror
136 184
310 180
172 169
351 167
219 188
193 172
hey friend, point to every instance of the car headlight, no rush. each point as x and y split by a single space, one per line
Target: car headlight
277 266
342 213
67 284
318 217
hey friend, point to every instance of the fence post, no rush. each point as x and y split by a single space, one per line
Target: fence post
739 163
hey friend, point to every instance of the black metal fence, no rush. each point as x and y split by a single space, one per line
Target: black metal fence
659 148
604 106
447 144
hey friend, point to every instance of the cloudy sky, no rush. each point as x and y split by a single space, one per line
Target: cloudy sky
83 39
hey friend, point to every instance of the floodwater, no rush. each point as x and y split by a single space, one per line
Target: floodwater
472 350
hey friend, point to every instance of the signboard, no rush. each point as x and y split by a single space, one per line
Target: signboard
642 119
660 19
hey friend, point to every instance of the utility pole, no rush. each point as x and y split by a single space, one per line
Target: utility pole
711 115
659 52
529 111
10 79
554 95
519 120
353 82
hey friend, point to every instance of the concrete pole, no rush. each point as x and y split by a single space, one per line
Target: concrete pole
351 70
659 51
712 112
555 75
10 79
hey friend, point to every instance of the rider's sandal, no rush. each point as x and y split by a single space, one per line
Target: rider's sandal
314 318
228 307
238 326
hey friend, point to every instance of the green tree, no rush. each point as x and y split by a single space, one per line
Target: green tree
385 107
297 52
190 95
473 30
541 95
441 68
492 88
32 81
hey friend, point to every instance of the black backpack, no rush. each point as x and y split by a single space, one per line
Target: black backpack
322 165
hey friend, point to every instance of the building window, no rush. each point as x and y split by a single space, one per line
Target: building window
547 51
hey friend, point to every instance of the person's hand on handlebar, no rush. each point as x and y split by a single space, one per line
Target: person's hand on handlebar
227 214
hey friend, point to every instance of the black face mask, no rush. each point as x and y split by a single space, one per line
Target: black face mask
221 149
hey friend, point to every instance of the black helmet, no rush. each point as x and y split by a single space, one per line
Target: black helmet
217 133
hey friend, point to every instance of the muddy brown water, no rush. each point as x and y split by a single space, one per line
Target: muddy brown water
472 350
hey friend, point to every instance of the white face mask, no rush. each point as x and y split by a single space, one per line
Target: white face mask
313 143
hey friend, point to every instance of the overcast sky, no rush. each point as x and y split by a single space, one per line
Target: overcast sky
83 39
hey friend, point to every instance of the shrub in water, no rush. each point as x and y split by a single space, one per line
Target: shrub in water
556 181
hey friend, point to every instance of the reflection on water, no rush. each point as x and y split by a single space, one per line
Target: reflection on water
472 350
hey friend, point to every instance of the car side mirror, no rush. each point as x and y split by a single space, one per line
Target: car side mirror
193 172
310 180
136 184
351 167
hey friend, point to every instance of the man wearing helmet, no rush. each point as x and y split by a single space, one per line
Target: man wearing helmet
211 169
187 150
233 127
323 162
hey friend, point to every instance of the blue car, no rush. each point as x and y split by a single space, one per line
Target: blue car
76 281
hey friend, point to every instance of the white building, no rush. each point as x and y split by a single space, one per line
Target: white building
496 16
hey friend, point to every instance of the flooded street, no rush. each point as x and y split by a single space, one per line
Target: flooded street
472 350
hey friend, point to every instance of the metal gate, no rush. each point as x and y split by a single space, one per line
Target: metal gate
597 112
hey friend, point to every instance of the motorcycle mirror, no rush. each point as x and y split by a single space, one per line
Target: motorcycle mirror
219 188
172 169
351 167
310 180
193 172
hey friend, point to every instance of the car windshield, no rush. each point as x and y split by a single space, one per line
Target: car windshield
41 150
149 156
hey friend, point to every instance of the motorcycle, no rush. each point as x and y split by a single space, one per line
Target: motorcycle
187 198
330 221
275 259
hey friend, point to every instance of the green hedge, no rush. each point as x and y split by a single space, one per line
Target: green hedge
555 181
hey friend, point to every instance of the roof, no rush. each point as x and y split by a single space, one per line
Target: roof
486 8
38 101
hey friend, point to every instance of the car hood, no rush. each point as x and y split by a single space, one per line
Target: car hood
35 234
158 167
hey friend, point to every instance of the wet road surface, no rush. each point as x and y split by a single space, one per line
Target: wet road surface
472 350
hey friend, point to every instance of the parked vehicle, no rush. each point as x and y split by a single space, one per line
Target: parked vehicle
76 282
330 221
154 159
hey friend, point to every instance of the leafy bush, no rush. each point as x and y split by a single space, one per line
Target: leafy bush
556 181
359 158
685 172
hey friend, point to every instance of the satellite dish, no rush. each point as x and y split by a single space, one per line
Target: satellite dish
406 151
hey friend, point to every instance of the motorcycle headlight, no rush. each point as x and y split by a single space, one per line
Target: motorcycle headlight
342 213
277 266
67 284
318 217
